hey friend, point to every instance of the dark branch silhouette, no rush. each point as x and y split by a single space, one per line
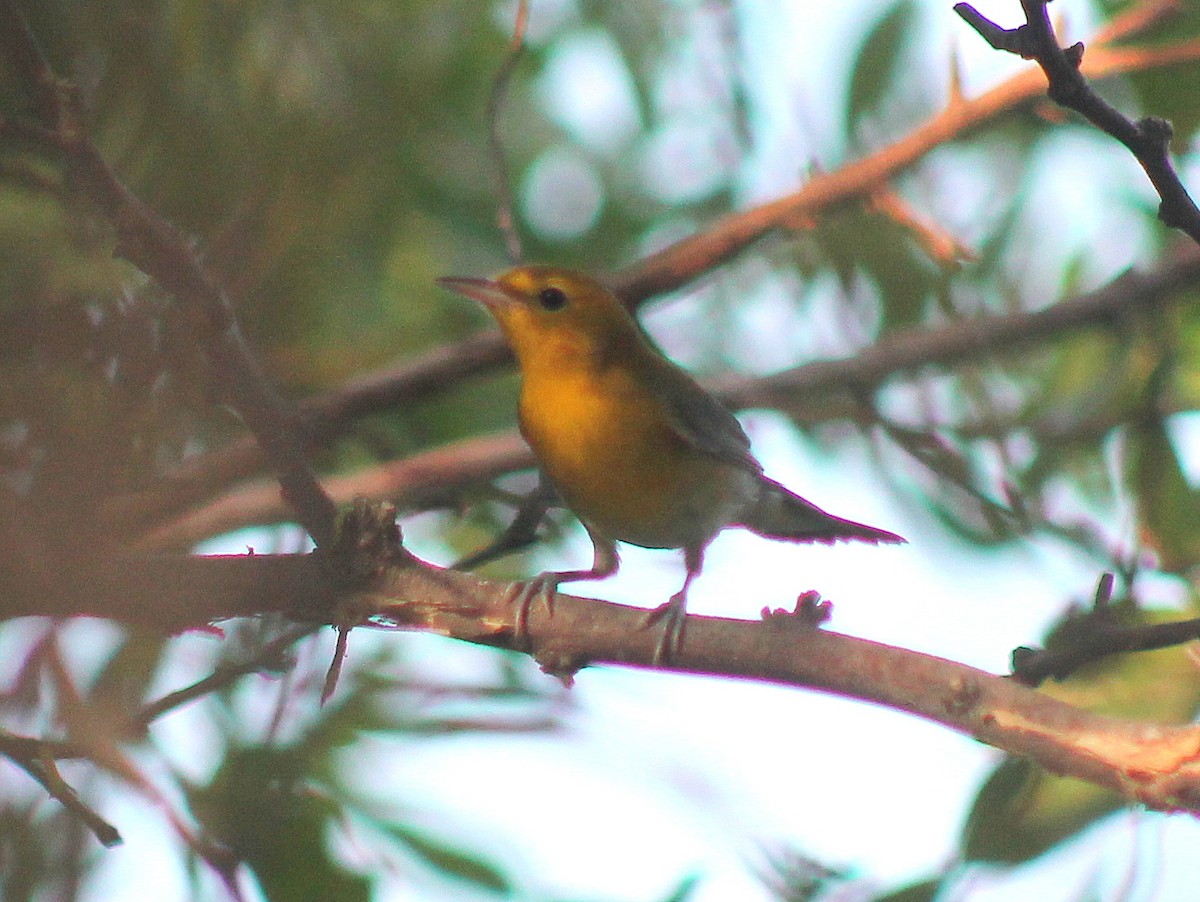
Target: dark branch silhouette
1148 139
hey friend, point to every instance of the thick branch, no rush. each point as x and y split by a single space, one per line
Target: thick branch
1156 765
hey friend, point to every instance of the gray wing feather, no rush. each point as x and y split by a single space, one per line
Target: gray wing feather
702 421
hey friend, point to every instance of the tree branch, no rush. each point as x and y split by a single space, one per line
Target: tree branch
270 655
1089 636
1152 764
501 183
804 392
330 415
36 758
1148 139
972 339
430 479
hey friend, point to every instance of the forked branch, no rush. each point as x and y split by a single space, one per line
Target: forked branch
1148 139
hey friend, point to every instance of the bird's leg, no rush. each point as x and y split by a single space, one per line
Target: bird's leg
605 562
520 533
674 612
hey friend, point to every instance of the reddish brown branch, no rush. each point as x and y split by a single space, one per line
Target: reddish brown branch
804 392
432 478
330 415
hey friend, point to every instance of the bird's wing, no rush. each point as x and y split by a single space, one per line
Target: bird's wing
700 420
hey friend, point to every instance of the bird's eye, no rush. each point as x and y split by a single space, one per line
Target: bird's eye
552 298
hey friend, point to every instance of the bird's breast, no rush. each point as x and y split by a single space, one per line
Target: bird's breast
608 445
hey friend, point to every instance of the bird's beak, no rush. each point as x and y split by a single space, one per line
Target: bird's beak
491 294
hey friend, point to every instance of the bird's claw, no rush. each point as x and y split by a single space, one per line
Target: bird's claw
523 595
670 643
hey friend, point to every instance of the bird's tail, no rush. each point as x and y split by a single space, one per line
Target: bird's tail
781 514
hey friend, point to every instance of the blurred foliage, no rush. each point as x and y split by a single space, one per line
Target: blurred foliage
1170 504
797 877
1163 93
1022 812
923 891
878 71
329 160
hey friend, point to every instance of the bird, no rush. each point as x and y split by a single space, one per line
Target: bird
636 448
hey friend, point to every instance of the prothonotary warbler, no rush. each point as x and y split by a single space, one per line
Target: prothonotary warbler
637 449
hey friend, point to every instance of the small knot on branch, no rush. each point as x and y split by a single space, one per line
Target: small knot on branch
810 611
1156 129
368 541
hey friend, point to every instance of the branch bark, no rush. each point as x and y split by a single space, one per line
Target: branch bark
1152 764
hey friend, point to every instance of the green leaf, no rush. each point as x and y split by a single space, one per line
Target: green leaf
452 861
1168 506
863 243
260 805
123 681
29 862
878 61
1022 812
1168 91
1161 686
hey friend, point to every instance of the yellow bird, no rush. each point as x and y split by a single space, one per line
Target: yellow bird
637 449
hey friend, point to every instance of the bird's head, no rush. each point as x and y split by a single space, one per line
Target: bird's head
546 310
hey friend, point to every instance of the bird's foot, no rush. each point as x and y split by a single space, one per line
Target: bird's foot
674 616
522 597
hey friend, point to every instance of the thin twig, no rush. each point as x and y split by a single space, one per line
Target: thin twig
430 479
1096 635
520 533
941 246
1148 139
335 665
501 182
224 675
36 758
